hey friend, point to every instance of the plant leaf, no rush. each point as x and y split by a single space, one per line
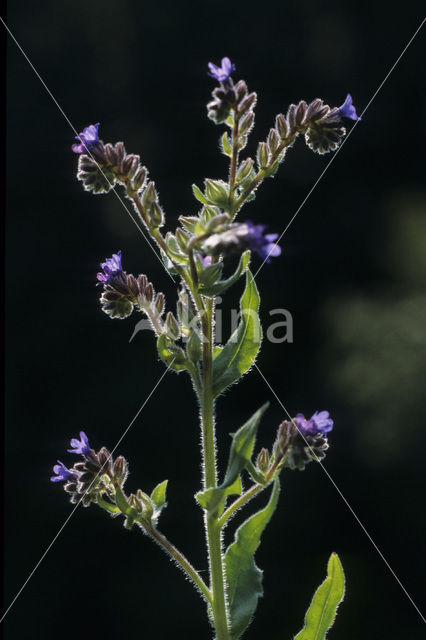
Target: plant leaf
212 499
199 194
226 145
243 576
222 285
241 350
243 441
170 353
158 495
322 610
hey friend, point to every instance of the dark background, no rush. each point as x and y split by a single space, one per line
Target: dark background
352 274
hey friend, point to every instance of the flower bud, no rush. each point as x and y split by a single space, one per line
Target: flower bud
262 461
274 140
244 170
156 215
172 327
282 126
217 192
246 123
248 103
241 90
120 471
149 196
262 155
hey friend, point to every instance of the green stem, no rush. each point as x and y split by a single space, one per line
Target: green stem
240 502
180 559
217 577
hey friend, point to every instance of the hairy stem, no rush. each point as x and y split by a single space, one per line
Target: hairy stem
217 577
180 559
234 157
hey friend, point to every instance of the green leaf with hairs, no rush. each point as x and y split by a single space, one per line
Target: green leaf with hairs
223 285
243 441
322 610
241 350
243 576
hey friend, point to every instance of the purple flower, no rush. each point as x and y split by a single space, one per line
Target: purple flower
222 73
88 139
318 423
264 245
80 446
205 260
62 473
347 110
111 267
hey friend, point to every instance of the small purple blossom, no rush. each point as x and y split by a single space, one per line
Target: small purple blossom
222 73
88 138
264 245
80 446
318 423
111 267
205 260
347 110
62 473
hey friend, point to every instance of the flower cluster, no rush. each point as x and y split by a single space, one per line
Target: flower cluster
95 476
101 165
239 237
122 292
301 441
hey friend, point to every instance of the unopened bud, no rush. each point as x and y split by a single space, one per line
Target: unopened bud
282 126
149 196
172 326
262 155
156 215
244 169
217 192
274 140
182 239
120 470
262 461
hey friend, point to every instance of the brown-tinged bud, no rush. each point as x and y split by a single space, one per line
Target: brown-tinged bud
105 461
120 152
286 430
262 155
246 123
111 154
132 287
240 90
274 140
262 461
301 113
159 304
149 196
248 103
282 126
139 179
291 119
120 471
149 292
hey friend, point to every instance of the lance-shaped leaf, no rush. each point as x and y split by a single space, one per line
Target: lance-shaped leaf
158 497
244 578
241 350
322 610
223 285
243 442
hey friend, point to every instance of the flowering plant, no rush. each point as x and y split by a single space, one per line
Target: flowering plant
199 253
